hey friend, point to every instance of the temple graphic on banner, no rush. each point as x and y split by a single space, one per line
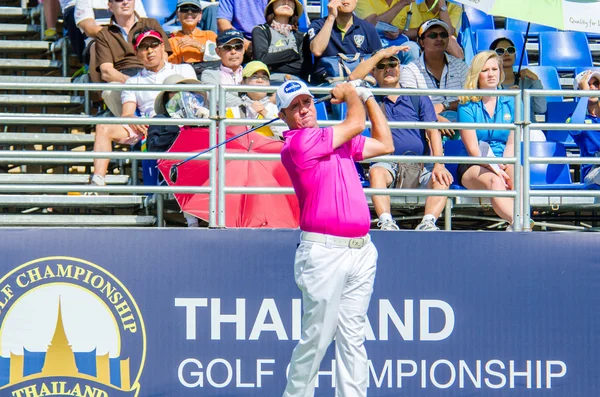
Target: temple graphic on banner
61 360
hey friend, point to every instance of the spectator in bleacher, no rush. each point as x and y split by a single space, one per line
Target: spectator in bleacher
340 32
51 13
526 79
189 43
587 111
257 105
148 45
116 59
436 69
242 15
92 15
486 73
279 44
395 13
230 47
384 65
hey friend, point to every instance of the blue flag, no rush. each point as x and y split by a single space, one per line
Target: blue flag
465 38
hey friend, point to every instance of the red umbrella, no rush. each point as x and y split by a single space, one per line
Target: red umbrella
242 210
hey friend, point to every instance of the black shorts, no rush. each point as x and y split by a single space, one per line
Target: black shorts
460 171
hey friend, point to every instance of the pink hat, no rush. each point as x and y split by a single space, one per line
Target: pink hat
145 35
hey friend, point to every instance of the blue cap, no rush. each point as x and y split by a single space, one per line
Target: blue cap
228 36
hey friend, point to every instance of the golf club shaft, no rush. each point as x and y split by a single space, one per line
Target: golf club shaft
325 98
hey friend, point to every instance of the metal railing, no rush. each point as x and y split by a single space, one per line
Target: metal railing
217 124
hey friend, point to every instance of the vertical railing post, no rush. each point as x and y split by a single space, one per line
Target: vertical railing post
212 165
221 167
518 203
526 165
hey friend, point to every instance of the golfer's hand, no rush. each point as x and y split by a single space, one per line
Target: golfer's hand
342 92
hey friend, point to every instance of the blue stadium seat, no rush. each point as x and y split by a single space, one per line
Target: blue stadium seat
550 80
550 176
453 148
160 9
324 10
479 19
521 26
485 37
321 111
558 112
566 51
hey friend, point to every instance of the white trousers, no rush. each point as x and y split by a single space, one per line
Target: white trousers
336 284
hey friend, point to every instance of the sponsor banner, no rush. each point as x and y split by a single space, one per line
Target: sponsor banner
126 312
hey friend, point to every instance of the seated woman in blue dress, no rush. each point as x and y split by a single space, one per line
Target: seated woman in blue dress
486 73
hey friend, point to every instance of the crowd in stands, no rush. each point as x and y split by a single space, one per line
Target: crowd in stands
397 44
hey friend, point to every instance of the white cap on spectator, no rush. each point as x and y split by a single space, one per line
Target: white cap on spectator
579 77
290 90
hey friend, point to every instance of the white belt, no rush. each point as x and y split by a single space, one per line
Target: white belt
357 242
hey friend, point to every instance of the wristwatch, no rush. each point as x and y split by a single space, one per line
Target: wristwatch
444 8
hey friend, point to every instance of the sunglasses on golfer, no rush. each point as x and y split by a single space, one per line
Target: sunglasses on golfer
229 47
189 10
434 35
390 64
510 50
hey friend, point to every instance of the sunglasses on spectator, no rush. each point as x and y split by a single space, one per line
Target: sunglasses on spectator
434 35
383 65
229 47
257 77
501 51
595 83
116 1
188 10
145 46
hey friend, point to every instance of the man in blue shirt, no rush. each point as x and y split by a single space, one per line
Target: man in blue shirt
588 141
385 67
340 32
242 15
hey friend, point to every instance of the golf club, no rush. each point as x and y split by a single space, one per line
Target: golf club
173 173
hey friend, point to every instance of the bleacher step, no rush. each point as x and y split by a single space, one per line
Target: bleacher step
41 100
46 161
26 201
30 64
32 138
22 46
21 29
77 220
13 12
58 179
35 79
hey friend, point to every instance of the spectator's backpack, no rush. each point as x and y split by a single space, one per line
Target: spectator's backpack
161 137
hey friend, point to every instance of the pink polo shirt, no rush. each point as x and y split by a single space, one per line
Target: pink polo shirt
331 197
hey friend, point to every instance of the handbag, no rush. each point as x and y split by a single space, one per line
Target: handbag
338 67
408 174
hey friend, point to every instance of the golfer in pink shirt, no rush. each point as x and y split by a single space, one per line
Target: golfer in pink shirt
336 260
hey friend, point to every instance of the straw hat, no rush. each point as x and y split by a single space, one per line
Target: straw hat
159 102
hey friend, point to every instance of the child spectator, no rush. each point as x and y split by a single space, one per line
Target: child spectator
257 105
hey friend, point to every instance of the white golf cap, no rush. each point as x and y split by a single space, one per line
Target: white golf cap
290 90
579 77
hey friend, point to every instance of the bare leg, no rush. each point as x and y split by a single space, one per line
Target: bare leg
480 178
380 178
105 135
